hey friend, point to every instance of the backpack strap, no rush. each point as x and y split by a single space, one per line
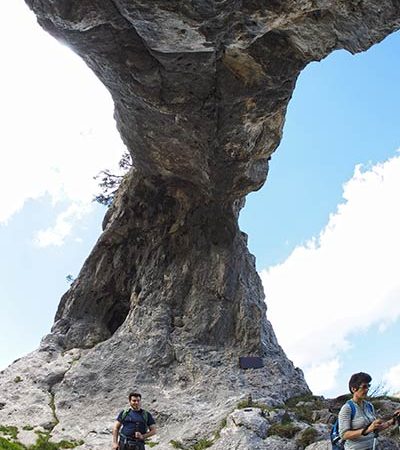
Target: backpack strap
145 416
337 442
370 406
125 413
352 408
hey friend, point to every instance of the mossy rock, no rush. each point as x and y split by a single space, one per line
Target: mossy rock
304 405
284 430
306 398
307 437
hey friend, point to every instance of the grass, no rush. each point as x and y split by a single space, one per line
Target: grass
245 404
202 444
176 444
222 425
73 444
42 441
7 445
9 431
52 404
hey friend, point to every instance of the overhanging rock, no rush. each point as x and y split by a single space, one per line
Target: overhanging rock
169 298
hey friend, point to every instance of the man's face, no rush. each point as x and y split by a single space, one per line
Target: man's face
135 403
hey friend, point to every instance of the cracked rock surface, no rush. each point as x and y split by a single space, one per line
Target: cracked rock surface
169 298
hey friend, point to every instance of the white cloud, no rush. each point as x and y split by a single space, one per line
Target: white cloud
392 379
57 127
65 221
343 281
322 376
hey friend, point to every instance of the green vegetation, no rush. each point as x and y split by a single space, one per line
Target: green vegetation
202 444
9 431
307 437
285 430
7 445
17 379
245 404
306 398
303 406
27 427
217 433
286 419
176 444
42 442
151 444
52 405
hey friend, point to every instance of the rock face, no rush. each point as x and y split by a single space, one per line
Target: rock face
169 297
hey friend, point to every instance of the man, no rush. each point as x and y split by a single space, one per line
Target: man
137 425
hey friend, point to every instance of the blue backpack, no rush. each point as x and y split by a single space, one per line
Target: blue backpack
336 441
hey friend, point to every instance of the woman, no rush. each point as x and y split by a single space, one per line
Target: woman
358 428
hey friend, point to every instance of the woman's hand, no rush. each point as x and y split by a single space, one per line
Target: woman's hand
376 425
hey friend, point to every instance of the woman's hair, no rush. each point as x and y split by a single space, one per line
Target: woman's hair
357 379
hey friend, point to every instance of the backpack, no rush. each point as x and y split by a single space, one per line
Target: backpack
336 441
145 415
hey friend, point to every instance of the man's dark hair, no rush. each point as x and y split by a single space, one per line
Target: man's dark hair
357 379
135 394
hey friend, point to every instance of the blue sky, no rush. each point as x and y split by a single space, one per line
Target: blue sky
324 228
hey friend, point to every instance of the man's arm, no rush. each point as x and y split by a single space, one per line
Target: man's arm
115 433
151 432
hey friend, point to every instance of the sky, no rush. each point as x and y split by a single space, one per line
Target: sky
324 228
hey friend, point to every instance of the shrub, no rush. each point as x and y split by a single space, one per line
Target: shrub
287 430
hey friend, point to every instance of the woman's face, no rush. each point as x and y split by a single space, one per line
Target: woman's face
362 391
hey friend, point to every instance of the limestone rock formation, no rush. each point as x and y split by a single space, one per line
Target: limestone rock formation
169 297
